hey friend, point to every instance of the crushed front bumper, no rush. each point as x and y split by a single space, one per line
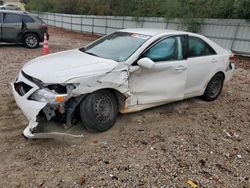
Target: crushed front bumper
30 108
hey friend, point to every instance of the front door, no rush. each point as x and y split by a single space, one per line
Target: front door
166 81
11 27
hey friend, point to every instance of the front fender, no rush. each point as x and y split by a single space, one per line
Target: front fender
117 79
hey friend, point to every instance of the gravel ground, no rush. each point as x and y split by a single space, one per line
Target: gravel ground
208 143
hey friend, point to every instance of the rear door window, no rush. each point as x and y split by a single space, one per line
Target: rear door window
198 47
12 18
27 19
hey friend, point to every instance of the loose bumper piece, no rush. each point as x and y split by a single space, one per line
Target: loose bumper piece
31 110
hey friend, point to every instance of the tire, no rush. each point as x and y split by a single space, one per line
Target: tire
31 40
214 88
99 111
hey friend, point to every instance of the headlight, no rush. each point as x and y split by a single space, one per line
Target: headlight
47 96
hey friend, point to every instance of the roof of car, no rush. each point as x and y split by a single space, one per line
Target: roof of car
13 11
153 32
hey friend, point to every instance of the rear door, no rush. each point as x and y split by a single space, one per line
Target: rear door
11 27
1 22
202 60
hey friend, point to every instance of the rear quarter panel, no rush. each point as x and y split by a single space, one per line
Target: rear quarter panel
35 27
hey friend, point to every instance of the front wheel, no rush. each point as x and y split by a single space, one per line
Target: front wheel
99 110
214 88
31 40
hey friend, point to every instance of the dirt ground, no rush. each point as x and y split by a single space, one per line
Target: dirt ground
208 143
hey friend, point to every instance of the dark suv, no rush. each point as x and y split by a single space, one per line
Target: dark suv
22 27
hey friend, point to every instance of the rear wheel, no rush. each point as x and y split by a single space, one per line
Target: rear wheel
99 110
31 40
214 88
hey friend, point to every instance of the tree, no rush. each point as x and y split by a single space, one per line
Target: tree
184 9
242 9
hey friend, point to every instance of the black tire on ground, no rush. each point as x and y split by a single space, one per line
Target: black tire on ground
99 110
31 40
214 88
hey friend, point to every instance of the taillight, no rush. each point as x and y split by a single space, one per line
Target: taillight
232 58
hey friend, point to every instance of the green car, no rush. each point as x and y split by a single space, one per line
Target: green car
22 27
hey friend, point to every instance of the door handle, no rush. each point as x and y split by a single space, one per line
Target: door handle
181 68
214 61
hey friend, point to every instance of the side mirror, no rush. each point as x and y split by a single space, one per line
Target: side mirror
146 63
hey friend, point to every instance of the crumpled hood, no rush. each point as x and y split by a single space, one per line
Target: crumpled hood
63 66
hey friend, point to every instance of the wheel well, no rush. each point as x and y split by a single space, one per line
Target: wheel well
221 73
119 97
31 33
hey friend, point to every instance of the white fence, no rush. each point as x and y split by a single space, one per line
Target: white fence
233 34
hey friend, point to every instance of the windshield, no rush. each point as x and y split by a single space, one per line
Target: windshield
118 46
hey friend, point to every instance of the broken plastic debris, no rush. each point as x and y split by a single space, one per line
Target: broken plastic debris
104 142
192 184
233 136
239 157
52 135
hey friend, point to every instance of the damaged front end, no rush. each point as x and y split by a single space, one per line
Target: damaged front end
39 101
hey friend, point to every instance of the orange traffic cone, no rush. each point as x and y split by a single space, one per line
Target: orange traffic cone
45 45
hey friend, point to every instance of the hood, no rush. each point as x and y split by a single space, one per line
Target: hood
62 66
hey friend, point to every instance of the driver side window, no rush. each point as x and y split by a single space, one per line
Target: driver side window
168 49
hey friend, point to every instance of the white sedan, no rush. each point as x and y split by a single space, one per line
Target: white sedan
127 71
